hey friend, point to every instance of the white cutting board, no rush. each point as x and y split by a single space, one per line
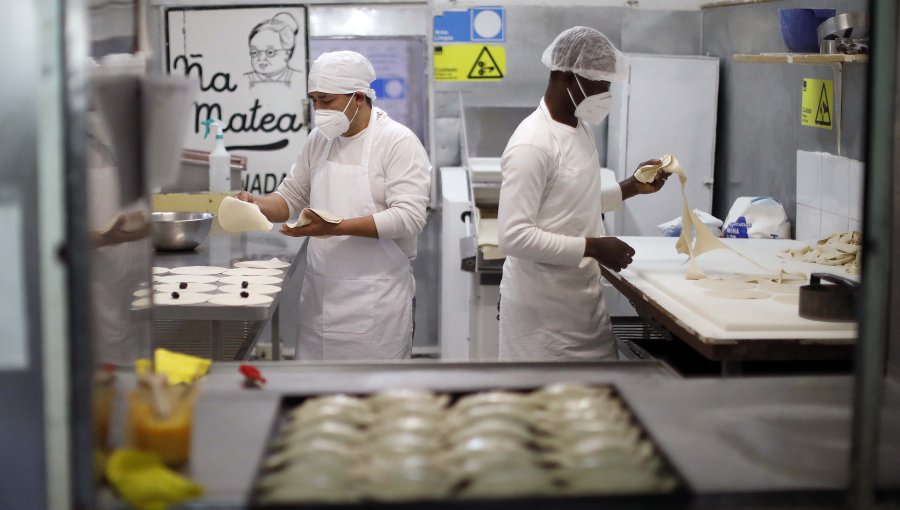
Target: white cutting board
659 271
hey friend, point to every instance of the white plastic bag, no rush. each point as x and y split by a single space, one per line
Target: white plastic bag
757 218
673 228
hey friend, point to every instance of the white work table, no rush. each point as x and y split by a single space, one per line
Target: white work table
728 330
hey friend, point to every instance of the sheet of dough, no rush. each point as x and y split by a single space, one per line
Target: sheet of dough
780 288
252 289
252 271
305 220
788 299
237 300
193 288
206 270
725 284
184 298
738 294
239 216
160 270
189 278
257 280
263 264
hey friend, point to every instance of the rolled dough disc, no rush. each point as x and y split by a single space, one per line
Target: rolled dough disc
141 293
192 288
184 298
143 302
788 299
780 288
252 289
725 284
252 271
198 270
738 294
189 278
160 270
304 218
237 300
257 280
239 216
263 264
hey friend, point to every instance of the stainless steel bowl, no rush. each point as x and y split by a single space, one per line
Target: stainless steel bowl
174 231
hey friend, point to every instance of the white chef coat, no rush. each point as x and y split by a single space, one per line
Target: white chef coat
551 198
399 177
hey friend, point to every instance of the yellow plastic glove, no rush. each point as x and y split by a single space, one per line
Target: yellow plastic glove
180 368
145 483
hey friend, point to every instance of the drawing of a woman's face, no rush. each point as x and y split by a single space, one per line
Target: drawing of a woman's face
266 53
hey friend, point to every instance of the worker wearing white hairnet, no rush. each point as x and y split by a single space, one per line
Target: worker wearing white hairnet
551 204
357 297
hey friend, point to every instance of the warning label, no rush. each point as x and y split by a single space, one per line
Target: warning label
817 103
469 62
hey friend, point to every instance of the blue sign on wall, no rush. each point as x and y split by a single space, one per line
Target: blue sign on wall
479 24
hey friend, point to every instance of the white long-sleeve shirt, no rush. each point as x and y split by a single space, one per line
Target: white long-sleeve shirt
399 177
530 166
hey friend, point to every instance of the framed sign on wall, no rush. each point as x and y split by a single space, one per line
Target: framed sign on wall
249 64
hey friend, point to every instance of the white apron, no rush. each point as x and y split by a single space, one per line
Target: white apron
555 313
356 300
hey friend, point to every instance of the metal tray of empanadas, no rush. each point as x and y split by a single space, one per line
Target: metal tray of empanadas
560 444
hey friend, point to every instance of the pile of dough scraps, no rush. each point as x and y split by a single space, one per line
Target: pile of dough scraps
839 249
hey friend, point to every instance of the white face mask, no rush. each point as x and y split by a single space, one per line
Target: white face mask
333 123
592 109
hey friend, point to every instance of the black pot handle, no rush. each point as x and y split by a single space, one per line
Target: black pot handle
816 278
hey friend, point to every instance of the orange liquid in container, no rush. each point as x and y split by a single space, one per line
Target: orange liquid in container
170 436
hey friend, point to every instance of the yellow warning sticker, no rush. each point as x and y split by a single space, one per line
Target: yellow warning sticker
469 62
817 103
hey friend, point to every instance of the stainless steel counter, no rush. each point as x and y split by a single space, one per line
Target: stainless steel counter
217 324
725 436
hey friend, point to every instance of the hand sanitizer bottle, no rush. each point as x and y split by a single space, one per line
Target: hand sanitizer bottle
219 160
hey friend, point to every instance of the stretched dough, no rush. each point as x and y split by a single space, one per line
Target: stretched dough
188 278
160 270
258 280
263 264
725 284
738 294
252 289
239 216
198 270
252 271
305 220
237 300
192 288
838 249
184 298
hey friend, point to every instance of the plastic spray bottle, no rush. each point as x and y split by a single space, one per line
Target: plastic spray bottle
219 159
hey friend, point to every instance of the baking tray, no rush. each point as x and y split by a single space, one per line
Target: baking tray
679 497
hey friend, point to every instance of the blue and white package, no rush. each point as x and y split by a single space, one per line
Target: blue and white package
757 218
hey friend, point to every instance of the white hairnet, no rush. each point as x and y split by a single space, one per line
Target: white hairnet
586 52
342 72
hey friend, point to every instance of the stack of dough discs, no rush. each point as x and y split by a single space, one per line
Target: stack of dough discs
252 289
263 264
738 294
187 278
192 288
253 271
725 284
252 280
160 270
186 298
237 300
198 270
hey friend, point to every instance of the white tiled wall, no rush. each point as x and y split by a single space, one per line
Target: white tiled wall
829 195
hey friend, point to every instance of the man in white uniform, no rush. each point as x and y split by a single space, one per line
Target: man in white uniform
551 205
357 164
